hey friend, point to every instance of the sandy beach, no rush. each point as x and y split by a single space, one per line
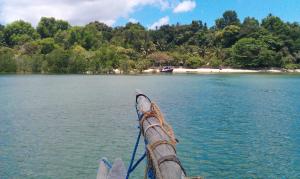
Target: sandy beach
225 70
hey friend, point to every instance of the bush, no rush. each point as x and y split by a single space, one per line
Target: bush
193 62
292 66
57 61
215 62
126 65
142 64
7 61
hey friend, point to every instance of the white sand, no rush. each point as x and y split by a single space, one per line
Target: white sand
211 70
293 71
225 70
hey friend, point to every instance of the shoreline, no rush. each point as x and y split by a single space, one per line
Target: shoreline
225 70
177 71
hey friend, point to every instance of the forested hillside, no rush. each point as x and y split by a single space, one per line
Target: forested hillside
55 46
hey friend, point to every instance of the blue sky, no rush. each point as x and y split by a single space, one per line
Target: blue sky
150 13
209 10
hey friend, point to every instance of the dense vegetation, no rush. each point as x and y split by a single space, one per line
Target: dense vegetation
55 46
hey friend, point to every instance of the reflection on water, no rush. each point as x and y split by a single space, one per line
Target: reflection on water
229 126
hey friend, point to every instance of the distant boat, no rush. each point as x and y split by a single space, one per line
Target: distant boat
166 69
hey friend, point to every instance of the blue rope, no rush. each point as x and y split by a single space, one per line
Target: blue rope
138 162
108 165
133 154
133 165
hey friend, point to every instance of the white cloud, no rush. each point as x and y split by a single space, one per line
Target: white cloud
78 12
162 21
132 20
185 6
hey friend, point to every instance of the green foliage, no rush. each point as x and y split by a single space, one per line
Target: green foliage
88 37
46 45
78 60
48 27
126 65
274 24
37 62
105 59
249 27
30 48
160 58
2 40
142 64
57 61
7 60
292 66
228 35
268 58
215 62
2 27
229 18
288 61
23 64
245 53
91 38
19 32
252 53
194 62
56 47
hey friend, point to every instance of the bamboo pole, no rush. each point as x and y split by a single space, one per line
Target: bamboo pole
103 170
168 169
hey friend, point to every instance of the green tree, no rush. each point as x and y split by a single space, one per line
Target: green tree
24 64
47 45
91 38
19 32
249 26
30 48
74 36
37 62
98 48
57 61
2 40
229 35
274 24
196 26
229 18
126 65
7 60
78 62
160 58
194 62
48 27
245 53
142 64
252 53
104 29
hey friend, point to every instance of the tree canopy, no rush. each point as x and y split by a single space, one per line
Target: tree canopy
55 46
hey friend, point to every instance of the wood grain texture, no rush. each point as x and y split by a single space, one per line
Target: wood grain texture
168 169
102 170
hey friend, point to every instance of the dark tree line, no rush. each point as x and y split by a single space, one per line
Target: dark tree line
55 46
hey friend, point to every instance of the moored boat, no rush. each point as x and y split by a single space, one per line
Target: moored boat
167 69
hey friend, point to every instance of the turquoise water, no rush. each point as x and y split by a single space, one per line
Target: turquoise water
229 126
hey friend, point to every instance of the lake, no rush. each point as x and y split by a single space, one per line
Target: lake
228 126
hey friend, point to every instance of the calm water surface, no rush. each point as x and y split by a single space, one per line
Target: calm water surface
229 126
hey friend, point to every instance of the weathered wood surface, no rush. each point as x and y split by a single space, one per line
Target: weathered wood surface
168 169
102 170
117 171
